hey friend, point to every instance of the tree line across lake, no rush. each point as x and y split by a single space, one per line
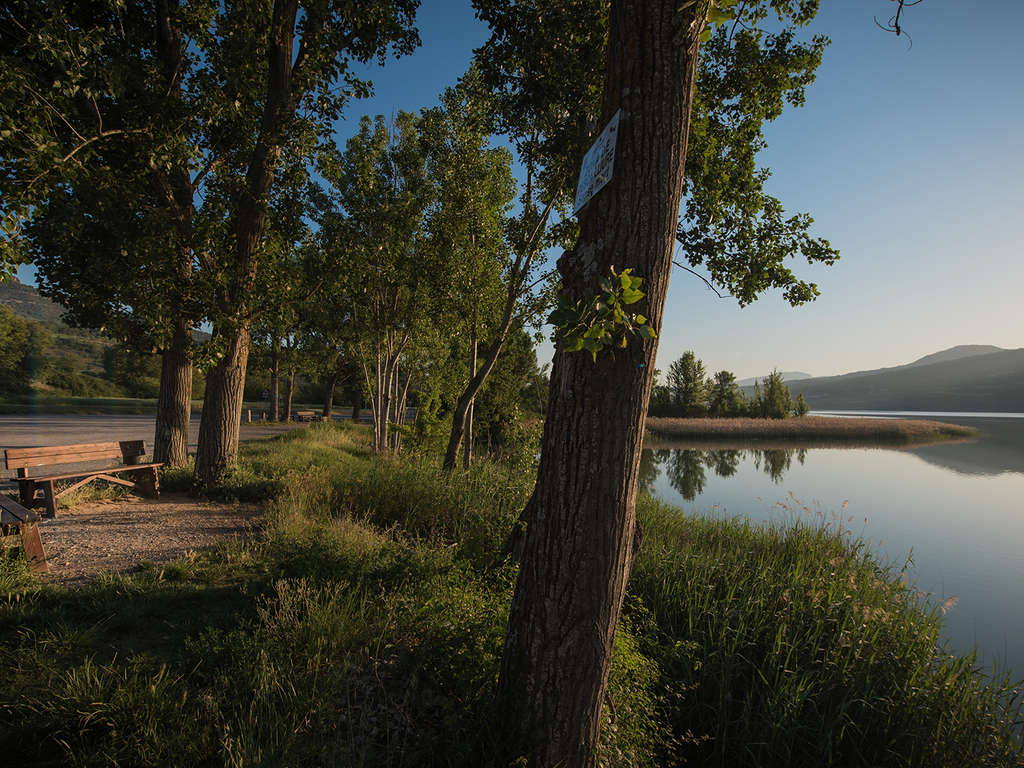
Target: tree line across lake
688 391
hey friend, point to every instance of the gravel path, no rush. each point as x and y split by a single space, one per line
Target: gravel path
115 536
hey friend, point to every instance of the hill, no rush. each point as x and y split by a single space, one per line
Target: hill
966 378
27 302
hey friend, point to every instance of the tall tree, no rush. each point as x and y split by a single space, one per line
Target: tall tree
286 102
388 277
725 397
579 544
103 167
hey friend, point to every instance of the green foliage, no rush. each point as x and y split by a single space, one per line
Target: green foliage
545 61
686 385
724 396
365 627
601 321
22 353
801 408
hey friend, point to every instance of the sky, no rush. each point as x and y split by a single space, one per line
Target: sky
909 158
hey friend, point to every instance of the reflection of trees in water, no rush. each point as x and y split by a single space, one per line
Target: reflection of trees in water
685 471
649 472
685 467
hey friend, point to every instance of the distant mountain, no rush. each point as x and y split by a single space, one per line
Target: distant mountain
30 304
965 378
958 353
786 376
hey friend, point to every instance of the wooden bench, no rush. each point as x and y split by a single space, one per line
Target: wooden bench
308 416
143 477
13 515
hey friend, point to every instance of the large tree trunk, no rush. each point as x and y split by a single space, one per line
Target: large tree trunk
579 545
218 431
174 404
222 412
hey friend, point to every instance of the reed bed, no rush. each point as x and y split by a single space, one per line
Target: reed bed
808 429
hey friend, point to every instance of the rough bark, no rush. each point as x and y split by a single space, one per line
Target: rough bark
218 433
174 403
174 400
222 412
579 545
332 385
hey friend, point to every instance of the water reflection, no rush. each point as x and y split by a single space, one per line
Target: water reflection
687 468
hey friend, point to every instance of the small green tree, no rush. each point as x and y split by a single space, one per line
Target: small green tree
801 408
776 399
724 396
687 385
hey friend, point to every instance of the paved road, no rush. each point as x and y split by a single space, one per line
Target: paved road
23 431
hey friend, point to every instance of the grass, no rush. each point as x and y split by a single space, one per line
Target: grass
809 429
365 628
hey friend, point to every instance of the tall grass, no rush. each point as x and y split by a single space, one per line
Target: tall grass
365 628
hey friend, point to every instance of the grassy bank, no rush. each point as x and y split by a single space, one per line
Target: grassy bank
809 429
365 627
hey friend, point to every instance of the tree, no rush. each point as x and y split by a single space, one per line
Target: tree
101 168
388 280
801 408
725 397
21 354
473 190
579 544
776 400
285 103
686 383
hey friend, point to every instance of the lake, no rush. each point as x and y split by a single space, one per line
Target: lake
957 509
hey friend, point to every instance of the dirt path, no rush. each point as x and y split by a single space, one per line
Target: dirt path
113 536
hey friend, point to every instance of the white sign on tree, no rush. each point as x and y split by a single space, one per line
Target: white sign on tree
598 164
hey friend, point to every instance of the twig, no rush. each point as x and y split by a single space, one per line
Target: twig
698 274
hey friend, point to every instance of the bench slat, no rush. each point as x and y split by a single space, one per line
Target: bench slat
62 458
39 456
100 471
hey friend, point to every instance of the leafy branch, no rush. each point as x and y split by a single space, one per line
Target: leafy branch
602 321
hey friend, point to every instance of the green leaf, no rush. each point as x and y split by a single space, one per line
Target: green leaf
640 319
630 296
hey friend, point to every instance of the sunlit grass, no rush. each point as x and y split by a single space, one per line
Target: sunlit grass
365 627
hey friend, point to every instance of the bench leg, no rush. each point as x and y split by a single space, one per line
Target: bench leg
27 493
147 482
49 498
32 543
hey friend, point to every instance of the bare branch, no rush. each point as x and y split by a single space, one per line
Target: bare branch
698 274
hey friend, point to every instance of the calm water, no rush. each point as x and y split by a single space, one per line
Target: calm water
957 508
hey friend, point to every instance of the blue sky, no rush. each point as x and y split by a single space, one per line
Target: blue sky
910 161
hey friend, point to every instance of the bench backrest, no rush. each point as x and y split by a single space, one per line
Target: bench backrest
128 451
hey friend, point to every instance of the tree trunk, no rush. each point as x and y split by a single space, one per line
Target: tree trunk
579 545
357 402
288 392
467 456
332 385
174 404
222 412
275 379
